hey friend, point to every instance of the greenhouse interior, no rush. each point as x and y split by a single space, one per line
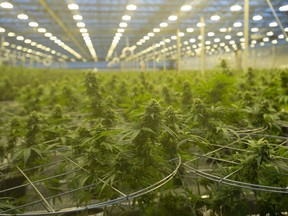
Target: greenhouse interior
144 107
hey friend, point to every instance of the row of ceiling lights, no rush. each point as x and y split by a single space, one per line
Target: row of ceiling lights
208 43
120 30
172 50
32 24
30 53
163 25
32 43
84 31
233 8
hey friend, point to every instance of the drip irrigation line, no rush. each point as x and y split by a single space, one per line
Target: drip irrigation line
37 181
106 203
217 159
238 183
36 167
264 135
48 206
49 198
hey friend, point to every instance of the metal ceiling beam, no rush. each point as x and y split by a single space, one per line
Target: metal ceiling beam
60 23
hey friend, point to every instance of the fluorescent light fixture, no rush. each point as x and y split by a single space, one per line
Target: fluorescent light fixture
228 37
123 25
190 30
131 7
217 40
266 39
283 8
151 34
254 30
273 24
270 33
120 30
6 5
200 37
41 30
85 34
27 41
77 17
257 17
222 30
274 41
2 30
48 34
281 36
33 24
200 24
11 34
118 34
126 17
53 38
20 38
146 38
186 8
173 37
80 24
181 34
239 34
139 43
73 6
235 8
231 42
22 16
172 18
156 30
207 42
167 40
215 17
237 24
83 30
163 25
211 34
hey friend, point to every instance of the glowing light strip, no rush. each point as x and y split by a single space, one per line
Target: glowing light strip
120 30
43 30
81 25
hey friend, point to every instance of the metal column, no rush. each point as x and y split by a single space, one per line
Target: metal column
164 55
246 36
178 50
203 45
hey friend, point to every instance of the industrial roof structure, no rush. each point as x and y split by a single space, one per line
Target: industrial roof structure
100 30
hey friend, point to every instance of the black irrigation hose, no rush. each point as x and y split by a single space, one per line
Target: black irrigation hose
237 183
103 204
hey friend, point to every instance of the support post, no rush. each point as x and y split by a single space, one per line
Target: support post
48 206
154 58
164 55
203 45
178 51
246 35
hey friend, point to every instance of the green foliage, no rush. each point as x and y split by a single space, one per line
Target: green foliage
113 127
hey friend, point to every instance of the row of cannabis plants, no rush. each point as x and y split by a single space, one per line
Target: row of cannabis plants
123 129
